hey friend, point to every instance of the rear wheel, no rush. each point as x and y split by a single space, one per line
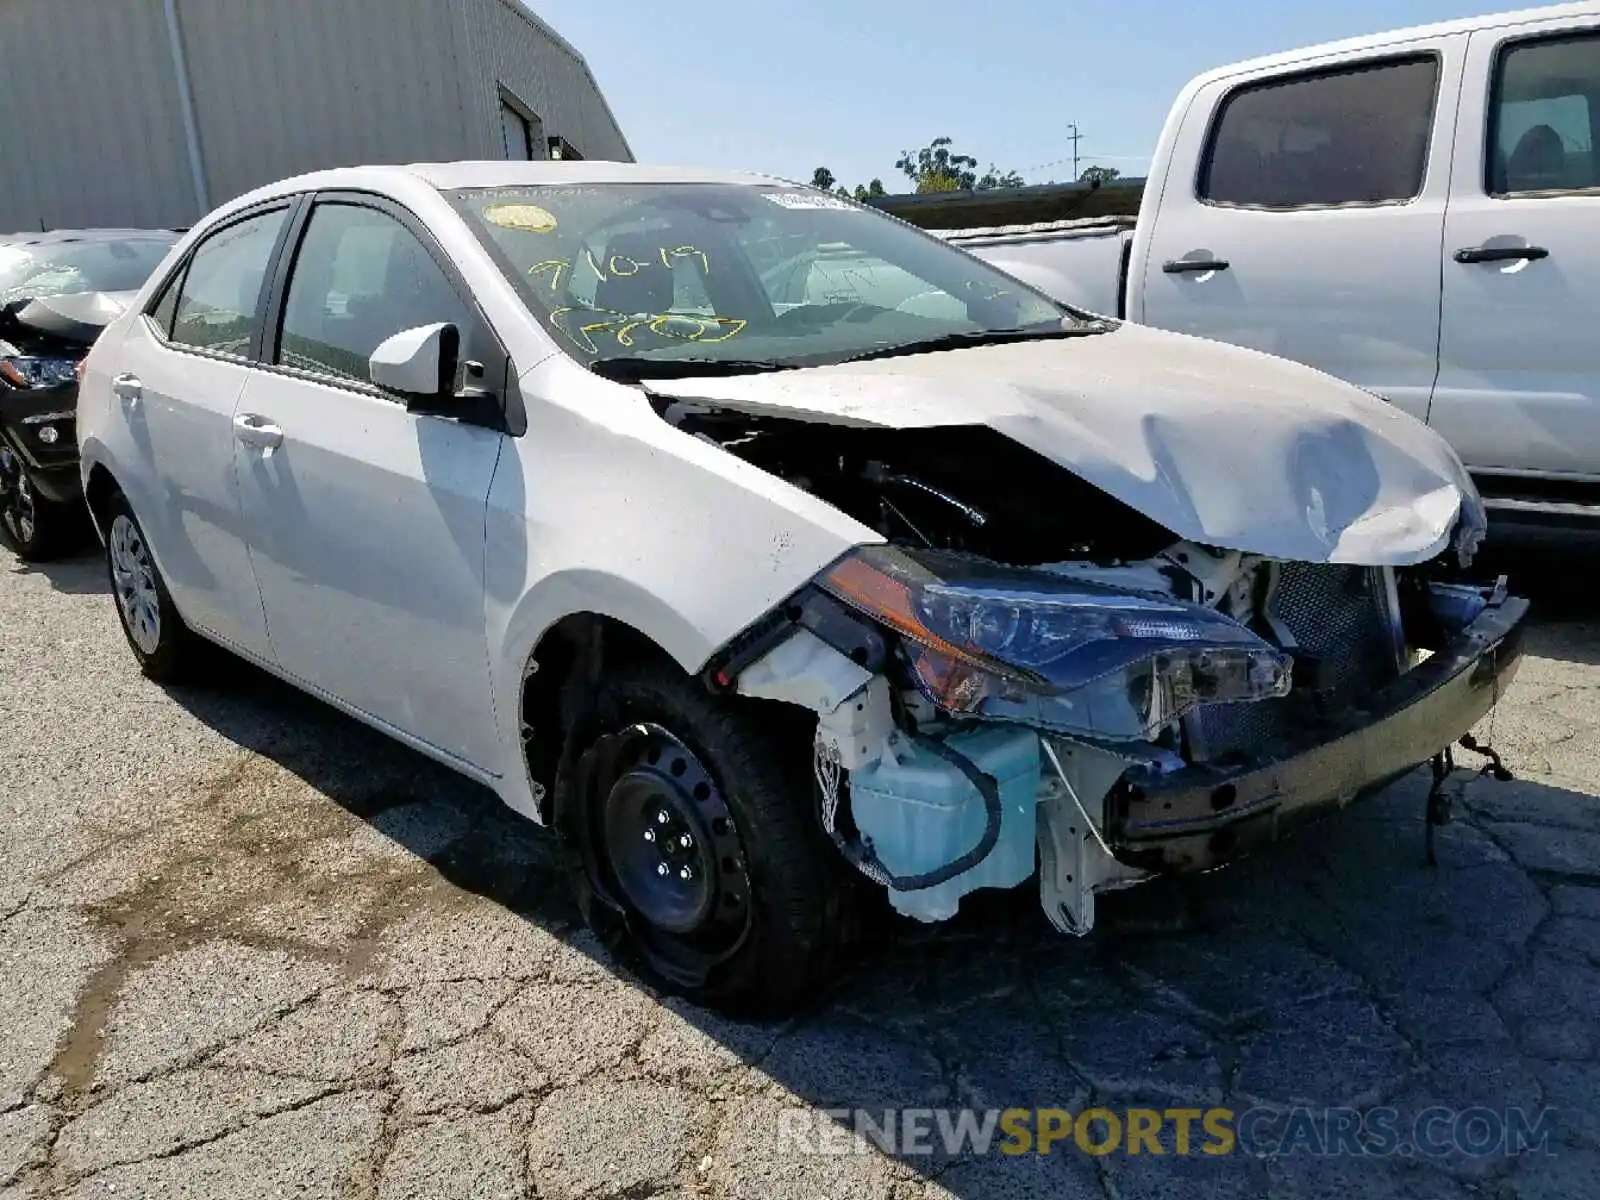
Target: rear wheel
685 818
163 645
36 528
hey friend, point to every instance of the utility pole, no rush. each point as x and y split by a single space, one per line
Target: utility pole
1074 138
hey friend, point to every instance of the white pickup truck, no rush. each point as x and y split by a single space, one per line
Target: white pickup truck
1416 212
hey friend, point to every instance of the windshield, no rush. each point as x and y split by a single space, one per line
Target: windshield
63 268
743 276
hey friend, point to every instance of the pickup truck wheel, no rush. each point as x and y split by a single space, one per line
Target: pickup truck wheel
163 645
35 528
685 820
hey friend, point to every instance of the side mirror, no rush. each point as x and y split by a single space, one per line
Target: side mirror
418 363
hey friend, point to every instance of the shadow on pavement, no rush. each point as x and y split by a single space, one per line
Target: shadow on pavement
81 575
1332 970
1336 969
1560 573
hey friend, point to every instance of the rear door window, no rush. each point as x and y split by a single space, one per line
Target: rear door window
1541 126
216 306
1357 136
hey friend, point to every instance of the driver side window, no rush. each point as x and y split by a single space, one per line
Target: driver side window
360 277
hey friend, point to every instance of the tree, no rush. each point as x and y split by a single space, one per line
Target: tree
994 178
875 188
935 168
823 178
1095 176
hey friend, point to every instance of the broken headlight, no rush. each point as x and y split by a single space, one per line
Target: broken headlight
1012 644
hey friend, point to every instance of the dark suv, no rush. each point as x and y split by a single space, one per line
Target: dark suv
57 292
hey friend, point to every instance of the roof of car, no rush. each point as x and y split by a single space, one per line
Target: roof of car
496 173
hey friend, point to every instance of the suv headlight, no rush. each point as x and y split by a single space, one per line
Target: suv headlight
1023 645
29 373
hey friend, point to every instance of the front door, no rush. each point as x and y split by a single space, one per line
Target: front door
365 520
185 364
1310 227
1519 371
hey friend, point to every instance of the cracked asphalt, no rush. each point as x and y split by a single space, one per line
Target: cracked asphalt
250 949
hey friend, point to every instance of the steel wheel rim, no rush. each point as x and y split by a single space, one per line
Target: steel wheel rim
630 777
133 578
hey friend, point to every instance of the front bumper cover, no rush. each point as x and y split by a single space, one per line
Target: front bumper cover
53 467
1199 817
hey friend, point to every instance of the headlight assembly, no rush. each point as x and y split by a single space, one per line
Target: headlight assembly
29 373
1027 645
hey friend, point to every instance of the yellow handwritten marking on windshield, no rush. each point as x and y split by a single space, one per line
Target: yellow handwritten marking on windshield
667 255
554 271
555 268
623 327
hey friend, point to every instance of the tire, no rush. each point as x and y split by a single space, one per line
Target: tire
166 650
762 922
36 529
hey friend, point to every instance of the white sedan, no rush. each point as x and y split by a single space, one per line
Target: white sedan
768 601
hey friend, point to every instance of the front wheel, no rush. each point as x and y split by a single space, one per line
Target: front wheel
36 528
163 645
686 822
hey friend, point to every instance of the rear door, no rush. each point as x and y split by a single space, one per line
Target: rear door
1302 215
1519 375
366 521
182 368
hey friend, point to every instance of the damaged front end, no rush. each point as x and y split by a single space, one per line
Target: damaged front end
1126 719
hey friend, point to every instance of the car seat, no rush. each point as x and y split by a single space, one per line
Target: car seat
1539 161
644 285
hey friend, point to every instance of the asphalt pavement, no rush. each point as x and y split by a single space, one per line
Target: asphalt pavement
249 948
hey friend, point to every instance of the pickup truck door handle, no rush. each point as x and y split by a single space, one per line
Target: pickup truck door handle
257 431
128 388
1490 254
1185 266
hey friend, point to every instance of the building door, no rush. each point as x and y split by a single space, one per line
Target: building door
524 134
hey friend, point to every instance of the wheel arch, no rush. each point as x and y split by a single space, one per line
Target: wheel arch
561 670
99 486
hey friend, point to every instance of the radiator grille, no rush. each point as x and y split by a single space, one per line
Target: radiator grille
1337 615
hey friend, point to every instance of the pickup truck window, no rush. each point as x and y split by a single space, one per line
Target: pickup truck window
1353 136
1546 106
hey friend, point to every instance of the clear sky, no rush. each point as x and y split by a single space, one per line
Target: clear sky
788 85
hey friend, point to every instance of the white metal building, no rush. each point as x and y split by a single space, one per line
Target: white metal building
149 113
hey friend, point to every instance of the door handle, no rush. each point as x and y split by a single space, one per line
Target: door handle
1193 266
128 388
257 431
1490 254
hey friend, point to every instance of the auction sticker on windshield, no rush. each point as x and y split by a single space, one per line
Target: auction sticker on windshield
527 218
806 200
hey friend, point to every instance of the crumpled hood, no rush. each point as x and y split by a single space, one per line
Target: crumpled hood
1223 446
78 317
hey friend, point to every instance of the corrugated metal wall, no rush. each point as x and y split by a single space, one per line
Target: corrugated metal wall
286 86
91 131
91 126
507 47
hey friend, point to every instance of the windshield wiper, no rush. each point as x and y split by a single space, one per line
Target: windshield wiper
985 337
635 369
